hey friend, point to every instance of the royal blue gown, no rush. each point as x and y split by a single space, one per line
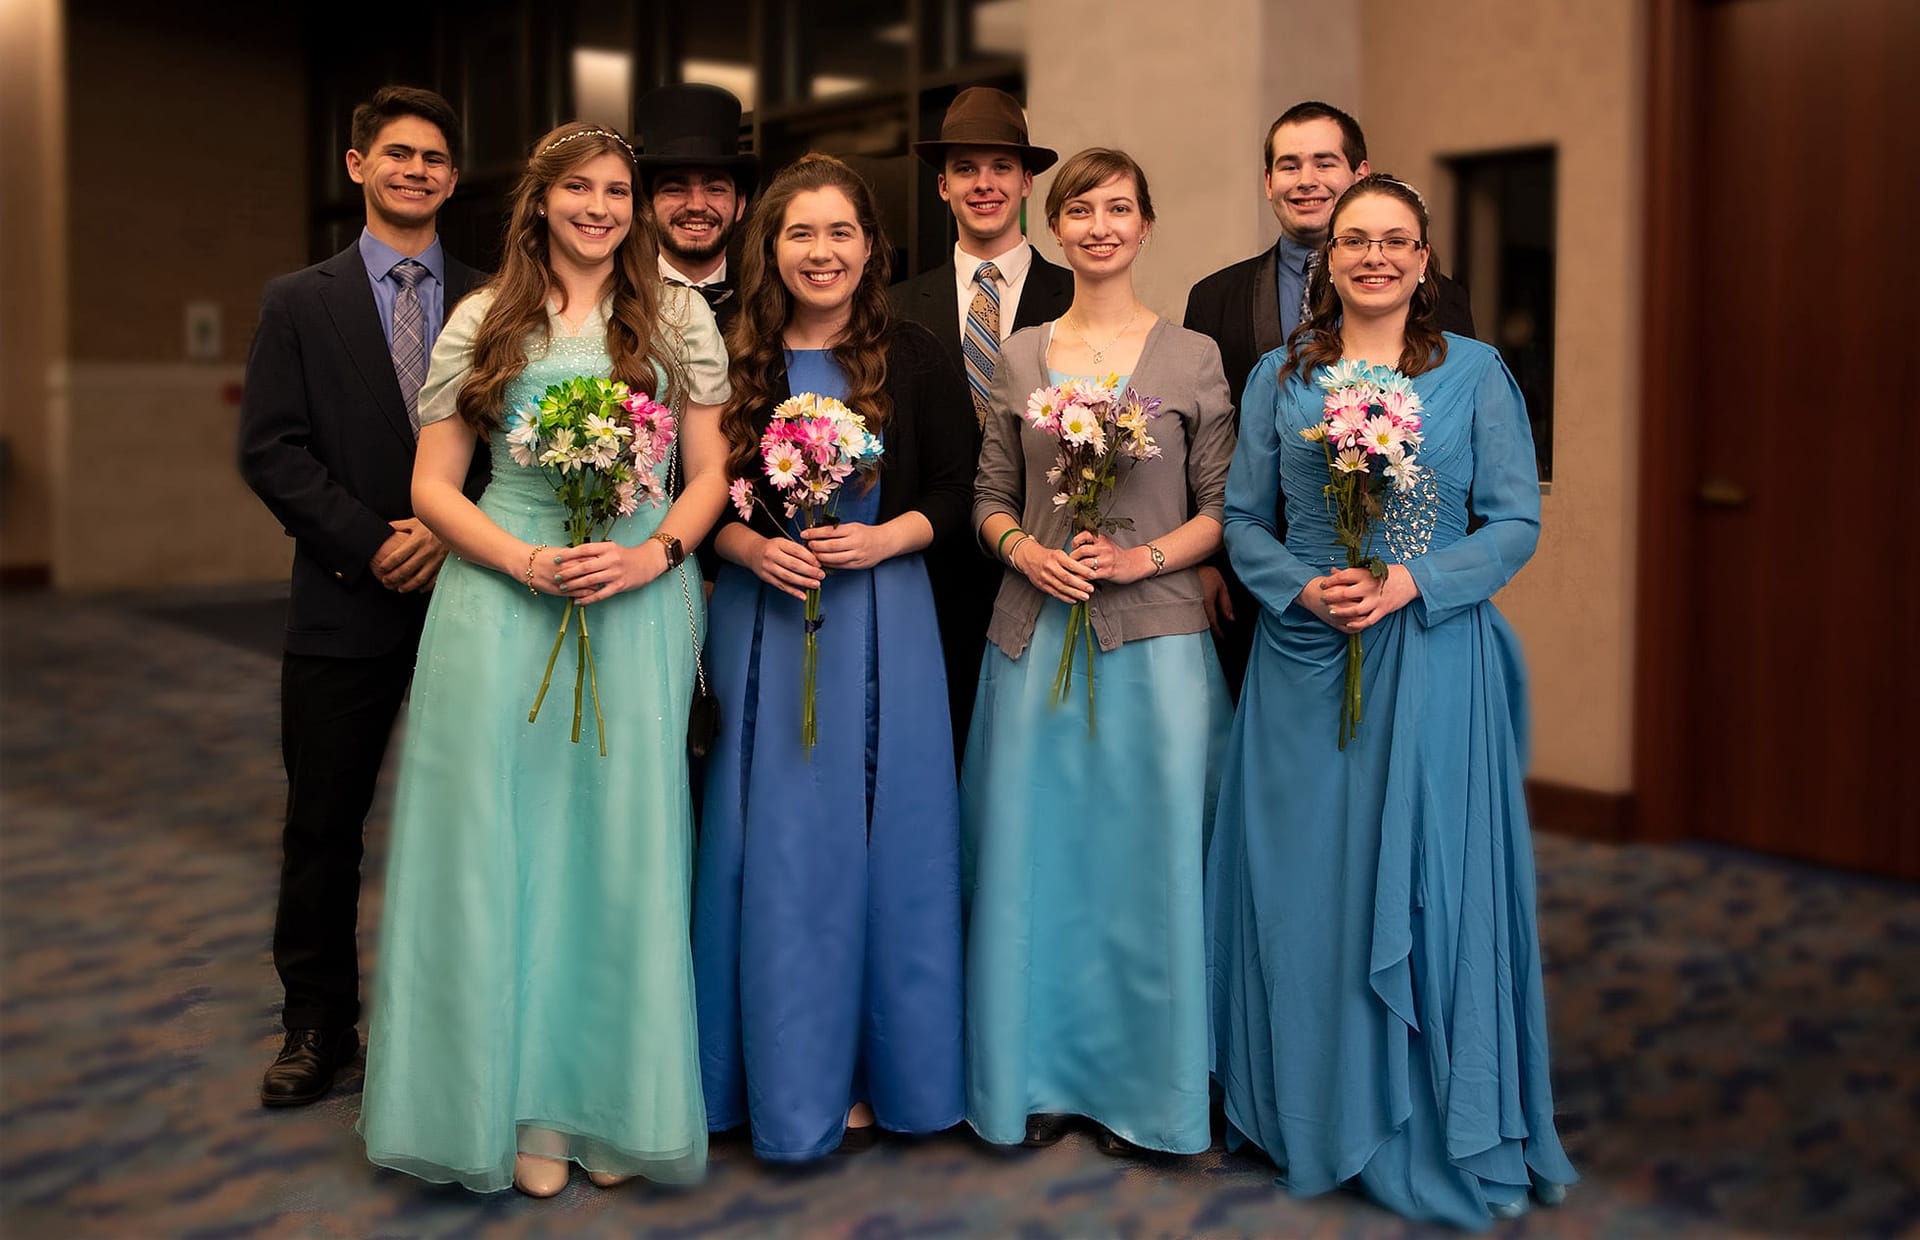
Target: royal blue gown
827 900
1086 949
1377 1003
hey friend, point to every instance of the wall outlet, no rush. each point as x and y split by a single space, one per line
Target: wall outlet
203 331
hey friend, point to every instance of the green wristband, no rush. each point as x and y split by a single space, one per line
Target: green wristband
999 550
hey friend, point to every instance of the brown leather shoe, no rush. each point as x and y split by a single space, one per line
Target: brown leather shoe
303 1071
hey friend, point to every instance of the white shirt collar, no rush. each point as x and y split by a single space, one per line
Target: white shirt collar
670 272
1013 262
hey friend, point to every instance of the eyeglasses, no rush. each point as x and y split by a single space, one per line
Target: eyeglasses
1354 245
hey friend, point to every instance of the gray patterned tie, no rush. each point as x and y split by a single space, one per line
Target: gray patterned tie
980 339
1306 284
409 338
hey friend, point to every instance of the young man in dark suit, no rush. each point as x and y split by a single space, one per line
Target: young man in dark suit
327 429
697 182
1312 153
995 284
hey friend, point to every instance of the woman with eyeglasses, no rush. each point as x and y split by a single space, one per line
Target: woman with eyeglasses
1377 1002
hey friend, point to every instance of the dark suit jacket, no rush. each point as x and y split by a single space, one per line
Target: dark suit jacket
325 443
929 300
964 579
1238 307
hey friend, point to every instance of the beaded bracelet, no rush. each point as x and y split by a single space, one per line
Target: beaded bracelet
999 550
530 558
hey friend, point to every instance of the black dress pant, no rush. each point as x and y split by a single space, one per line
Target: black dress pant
336 716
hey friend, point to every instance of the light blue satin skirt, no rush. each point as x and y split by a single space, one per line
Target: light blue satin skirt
1086 957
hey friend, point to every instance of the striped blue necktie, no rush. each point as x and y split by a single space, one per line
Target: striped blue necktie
409 338
981 344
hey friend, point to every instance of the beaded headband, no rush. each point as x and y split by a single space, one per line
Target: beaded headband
595 131
1390 179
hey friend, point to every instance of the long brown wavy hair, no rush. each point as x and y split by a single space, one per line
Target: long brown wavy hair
759 366
637 340
1316 342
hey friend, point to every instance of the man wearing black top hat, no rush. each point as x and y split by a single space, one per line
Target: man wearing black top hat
698 182
995 284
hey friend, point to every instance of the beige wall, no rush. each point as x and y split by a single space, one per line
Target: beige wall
187 168
1426 82
32 279
1493 74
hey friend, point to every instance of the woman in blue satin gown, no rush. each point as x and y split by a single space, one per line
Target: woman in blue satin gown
827 902
1085 821
533 1001
1377 1005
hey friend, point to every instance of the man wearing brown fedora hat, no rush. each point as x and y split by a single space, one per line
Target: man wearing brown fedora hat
995 284
697 181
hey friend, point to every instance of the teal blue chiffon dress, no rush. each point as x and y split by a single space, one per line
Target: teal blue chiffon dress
1083 854
534 987
1377 1003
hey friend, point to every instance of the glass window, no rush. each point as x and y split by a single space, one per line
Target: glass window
1505 256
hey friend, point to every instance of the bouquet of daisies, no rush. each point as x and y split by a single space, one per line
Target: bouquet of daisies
813 445
1370 431
600 446
1096 429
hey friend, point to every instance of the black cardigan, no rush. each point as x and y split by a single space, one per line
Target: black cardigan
928 466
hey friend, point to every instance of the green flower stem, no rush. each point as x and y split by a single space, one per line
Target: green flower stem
579 675
547 678
593 682
809 676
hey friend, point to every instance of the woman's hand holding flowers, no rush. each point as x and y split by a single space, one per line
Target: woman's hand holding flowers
850 544
787 566
1352 600
1054 572
599 570
1110 562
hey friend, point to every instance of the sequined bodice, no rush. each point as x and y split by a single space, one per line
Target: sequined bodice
519 489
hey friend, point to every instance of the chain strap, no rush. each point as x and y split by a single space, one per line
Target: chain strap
677 400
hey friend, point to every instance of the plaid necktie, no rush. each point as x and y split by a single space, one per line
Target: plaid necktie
1306 285
409 338
980 344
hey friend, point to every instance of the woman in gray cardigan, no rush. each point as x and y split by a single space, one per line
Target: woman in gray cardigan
1083 822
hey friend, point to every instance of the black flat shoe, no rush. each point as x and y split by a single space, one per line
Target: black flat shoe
303 1071
858 1140
1112 1144
1045 1130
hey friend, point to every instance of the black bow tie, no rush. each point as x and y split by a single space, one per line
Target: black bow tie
714 293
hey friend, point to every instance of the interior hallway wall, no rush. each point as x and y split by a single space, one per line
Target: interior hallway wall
1191 99
187 184
1482 75
32 278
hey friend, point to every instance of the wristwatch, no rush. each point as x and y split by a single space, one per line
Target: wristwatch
676 554
1159 558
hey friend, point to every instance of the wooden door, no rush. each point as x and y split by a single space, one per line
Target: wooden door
1781 664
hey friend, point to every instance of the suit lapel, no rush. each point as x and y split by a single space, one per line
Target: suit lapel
1266 304
940 310
1047 295
348 298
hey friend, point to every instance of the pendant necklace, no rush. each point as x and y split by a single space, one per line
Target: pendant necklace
1100 353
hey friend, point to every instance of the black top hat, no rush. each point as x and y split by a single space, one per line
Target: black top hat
693 125
983 116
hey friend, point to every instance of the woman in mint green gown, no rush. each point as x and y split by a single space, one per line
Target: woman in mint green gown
1377 1005
533 999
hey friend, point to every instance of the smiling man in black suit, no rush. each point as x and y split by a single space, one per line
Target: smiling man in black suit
995 284
327 430
1312 153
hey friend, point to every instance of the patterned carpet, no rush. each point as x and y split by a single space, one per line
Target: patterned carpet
1737 1041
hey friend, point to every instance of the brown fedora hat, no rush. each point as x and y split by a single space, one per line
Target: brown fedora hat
983 116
